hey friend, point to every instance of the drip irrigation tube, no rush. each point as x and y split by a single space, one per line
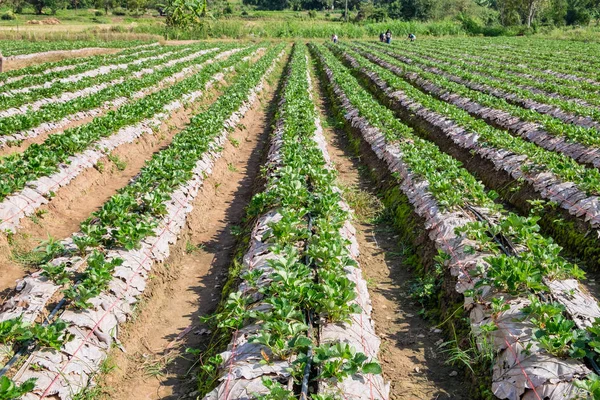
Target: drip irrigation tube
310 322
30 345
503 242
309 357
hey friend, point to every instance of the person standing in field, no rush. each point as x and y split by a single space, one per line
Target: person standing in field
382 37
388 37
412 37
334 38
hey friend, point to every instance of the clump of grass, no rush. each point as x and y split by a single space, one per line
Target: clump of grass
232 167
120 164
46 251
192 248
367 207
234 142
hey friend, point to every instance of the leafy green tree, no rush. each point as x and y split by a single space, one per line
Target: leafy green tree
555 14
136 5
580 12
185 13
55 5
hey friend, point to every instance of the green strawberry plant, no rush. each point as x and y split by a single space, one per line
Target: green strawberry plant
307 277
14 330
9 390
54 335
57 273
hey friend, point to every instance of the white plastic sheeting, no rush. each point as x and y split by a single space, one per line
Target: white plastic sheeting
242 370
35 291
143 49
519 372
67 372
115 103
21 204
550 187
551 110
531 131
101 70
360 331
51 52
67 96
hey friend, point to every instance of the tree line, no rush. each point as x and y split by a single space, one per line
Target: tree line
488 12
475 15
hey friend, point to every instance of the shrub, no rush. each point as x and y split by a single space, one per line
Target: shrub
8 16
118 28
312 14
120 11
98 13
99 20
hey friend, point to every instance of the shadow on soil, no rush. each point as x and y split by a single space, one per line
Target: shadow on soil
222 246
403 328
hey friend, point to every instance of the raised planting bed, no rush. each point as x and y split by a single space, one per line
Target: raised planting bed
300 317
476 239
122 242
521 172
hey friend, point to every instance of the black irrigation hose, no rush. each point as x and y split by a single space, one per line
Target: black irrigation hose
309 356
30 345
513 252
310 323
503 242
594 364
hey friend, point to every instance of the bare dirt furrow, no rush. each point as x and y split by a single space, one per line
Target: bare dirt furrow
22 145
410 354
155 365
75 202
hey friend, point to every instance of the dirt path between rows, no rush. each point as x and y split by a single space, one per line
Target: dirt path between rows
155 365
75 202
409 354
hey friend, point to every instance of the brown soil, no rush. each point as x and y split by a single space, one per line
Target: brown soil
155 365
410 354
87 193
25 143
17 64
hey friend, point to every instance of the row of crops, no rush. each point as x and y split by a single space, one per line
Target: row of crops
302 302
488 155
127 110
527 304
25 48
58 327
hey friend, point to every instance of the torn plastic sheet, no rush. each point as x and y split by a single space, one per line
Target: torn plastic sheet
360 331
21 204
541 181
518 372
72 368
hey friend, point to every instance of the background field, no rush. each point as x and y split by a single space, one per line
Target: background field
366 19
180 181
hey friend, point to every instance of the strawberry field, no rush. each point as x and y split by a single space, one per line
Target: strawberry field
177 222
